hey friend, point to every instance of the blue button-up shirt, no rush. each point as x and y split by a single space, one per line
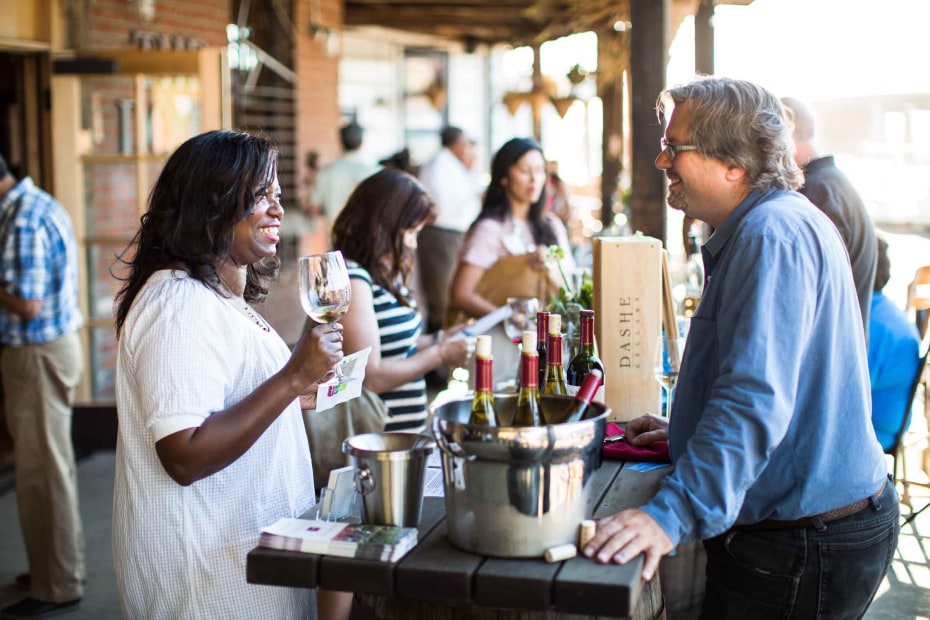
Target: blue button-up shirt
38 261
771 413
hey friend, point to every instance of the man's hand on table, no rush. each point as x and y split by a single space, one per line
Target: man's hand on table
646 429
623 536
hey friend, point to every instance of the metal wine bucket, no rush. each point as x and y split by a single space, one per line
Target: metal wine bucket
390 472
516 491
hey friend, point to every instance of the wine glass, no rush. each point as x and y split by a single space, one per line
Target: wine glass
522 316
666 365
325 291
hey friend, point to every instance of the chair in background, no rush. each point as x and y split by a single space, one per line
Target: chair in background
896 450
918 298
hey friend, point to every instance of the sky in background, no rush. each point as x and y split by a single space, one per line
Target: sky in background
818 49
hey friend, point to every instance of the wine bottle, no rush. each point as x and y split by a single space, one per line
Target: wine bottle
585 360
542 332
694 278
529 409
482 406
555 374
583 398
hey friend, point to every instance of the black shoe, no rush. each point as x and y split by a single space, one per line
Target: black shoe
34 608
23 580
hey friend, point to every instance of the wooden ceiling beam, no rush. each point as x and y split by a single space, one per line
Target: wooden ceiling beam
390 4
488 23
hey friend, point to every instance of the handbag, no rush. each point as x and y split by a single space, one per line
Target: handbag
511 276
327 429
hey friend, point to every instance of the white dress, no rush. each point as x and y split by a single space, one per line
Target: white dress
180 552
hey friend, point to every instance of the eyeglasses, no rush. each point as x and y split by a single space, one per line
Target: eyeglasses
674 149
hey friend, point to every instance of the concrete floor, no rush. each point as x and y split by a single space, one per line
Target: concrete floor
905 593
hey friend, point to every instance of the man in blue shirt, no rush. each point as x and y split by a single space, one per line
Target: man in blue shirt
893 356
777 468
41 364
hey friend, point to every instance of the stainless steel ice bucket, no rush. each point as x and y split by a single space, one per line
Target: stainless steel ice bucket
516 491
390 471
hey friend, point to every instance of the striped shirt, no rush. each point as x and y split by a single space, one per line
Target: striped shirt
38 261
399 326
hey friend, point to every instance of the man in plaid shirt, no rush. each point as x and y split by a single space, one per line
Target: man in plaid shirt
41 364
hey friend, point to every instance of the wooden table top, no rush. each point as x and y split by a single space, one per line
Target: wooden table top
437 571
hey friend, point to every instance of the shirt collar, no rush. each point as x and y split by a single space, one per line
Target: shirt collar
714 246
24 186
826 161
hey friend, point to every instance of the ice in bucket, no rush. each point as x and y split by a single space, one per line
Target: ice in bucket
390 471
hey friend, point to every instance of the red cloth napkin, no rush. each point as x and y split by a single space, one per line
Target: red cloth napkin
656 452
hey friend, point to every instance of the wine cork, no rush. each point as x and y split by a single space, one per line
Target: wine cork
529 342
561 552
586 531
555 324
483 347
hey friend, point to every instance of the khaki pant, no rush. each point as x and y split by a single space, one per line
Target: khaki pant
39 382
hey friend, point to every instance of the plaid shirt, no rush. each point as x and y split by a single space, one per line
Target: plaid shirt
38 261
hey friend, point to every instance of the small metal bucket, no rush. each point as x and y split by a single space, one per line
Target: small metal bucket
390 472
516 491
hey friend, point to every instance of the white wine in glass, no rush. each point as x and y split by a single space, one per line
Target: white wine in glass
666 366
325 291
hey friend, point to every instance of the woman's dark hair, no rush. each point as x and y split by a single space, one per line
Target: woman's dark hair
370 228
208 185
496 203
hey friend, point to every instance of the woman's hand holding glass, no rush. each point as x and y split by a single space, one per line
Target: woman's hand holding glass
325 290
314 359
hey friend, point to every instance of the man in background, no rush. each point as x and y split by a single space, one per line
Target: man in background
832 193
336 180
894 353
451 182
41 362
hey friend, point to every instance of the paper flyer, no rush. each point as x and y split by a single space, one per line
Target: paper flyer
333 392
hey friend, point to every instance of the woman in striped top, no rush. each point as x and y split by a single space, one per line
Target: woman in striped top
377 232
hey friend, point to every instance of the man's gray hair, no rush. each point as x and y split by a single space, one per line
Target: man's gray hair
740 124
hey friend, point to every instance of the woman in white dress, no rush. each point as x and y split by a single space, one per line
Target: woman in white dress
211 445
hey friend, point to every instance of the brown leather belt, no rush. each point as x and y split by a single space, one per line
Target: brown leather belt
806 522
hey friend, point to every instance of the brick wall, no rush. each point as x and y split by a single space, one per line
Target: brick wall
317 95
108 25
110 22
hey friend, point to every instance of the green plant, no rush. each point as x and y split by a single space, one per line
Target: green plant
583 296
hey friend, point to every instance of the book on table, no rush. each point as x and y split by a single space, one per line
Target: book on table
373 542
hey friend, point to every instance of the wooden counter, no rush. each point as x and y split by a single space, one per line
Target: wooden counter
437 580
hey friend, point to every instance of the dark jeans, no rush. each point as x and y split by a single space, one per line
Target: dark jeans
831 571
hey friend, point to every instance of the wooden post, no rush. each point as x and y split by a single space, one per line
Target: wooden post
648 60
537 83
610 90
704 38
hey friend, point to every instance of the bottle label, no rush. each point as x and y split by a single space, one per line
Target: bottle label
554 350
529 370
483 375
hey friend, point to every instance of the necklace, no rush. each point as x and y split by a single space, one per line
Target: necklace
255 318
244 308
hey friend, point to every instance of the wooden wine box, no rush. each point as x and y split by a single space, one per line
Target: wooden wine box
627 278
